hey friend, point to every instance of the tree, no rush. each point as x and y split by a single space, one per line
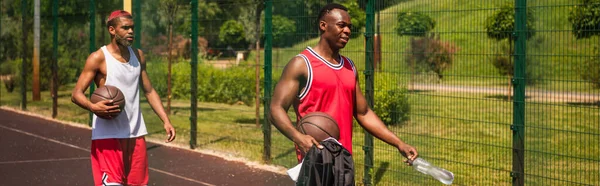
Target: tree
72 33
170 8
427 52
283 29
232 34
585 20
414 24
431 54
500 26
358 17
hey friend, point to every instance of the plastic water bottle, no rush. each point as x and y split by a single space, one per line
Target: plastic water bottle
440 174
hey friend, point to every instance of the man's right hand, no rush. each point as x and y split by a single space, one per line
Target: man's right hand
305 142
104 109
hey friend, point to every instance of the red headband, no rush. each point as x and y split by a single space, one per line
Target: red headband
117 13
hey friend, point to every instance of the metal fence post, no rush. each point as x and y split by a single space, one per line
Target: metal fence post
369 84
24 56
518 127
268 75
1 47
194 75
137 19
54 58
92 47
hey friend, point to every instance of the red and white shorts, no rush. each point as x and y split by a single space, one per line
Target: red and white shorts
119 161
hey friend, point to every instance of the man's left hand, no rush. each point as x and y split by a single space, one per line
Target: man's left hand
170 132
409 152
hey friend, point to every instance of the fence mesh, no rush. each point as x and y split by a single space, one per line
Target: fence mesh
459 80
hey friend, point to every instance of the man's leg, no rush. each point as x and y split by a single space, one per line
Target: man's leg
107 162
138 172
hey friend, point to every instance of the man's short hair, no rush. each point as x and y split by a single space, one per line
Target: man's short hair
112 18
325 10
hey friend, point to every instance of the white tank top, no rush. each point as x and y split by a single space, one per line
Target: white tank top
125 76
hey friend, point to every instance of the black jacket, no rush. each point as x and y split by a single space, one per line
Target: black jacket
332 165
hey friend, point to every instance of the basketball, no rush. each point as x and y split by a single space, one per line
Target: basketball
109 92
319 125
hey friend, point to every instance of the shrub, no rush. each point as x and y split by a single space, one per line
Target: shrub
283 30
501 24
157 71
591 69
391 101
431 54
414 24
9 67
232 33
8 74
234 85
11 70
585 19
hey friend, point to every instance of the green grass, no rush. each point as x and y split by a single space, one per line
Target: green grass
558 54
470 135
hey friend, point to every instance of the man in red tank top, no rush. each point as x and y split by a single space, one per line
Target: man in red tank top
320 79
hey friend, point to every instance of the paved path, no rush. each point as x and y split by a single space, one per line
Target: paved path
534 95
37 151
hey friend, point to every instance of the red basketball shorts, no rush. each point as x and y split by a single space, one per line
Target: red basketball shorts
119 161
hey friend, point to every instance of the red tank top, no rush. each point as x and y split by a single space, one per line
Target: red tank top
330 88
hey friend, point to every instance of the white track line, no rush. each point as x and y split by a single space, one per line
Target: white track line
87 150
44 138
46 160
185 178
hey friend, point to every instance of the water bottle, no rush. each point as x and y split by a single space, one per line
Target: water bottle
440 174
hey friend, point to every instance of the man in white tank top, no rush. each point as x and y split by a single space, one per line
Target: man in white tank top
118 151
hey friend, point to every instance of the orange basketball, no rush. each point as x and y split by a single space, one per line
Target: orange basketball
109 92
319 125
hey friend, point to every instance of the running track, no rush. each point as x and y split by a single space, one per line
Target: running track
37 151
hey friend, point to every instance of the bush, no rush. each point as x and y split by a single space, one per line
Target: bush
501 24
585 19
11 70
414 24
234 85
591 69
391 101
157 71
431 54
232 34
283 30
9 67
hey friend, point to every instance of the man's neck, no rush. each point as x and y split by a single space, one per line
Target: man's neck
119 49
326 51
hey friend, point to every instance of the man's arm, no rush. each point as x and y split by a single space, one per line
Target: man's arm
153 98
92 66
284 95
371 122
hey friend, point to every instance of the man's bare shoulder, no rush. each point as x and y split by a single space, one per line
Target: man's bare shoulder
296 67
96 57
297 62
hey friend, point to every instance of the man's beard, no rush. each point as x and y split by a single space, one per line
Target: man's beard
122 40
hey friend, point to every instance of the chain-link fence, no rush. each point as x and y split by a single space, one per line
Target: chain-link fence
498 92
